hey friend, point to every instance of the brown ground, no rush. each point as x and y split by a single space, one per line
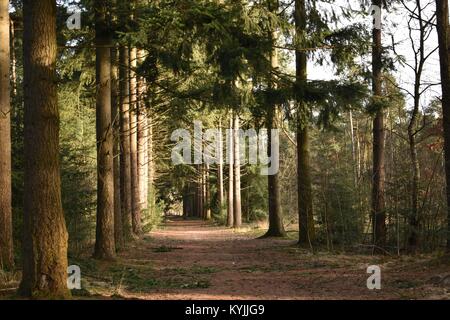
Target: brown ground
195 260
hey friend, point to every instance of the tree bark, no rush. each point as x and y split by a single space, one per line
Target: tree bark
151 166
208 193
444 54
353 146
104 242
13 59
276 227
230 151
305 203
118 221
378 175
204 192
135 200
125 156
142 141
44 247
6 237
237 214
415 167
220 170
199 191
194 197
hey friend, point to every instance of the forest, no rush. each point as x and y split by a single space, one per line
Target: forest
224 149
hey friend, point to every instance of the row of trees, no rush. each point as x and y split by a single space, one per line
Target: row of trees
122 134
177 62
121 117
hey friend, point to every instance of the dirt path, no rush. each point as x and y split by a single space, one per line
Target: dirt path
195 260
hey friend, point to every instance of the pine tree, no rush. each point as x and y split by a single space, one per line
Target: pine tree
45 237
230 157
237 214
135 196
6 236
305 200
220 170
276 226
142 139
115 119
104 244
378 175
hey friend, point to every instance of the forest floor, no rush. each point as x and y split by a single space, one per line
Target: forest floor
194 259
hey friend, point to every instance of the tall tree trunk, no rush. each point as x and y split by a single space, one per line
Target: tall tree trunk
204 195
194 197
45 236
230 151
203 191
276 227
220 170
104 242
305 203
6 238
353 146
358 151
151 166
237 215
13 83
208 193
378 175
13 59
200 191
444 54
146 173
125 156
135 203
142 141
118 221
415 166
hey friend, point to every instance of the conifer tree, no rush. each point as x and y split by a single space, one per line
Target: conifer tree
104 242
44 255
6 236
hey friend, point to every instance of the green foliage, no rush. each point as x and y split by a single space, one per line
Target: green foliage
78 164
153 216
254 194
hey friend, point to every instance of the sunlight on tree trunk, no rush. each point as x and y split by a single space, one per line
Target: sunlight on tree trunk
237 215
6 236
115 118
142 142
230 156
125 156
135 200
104 242
44 272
